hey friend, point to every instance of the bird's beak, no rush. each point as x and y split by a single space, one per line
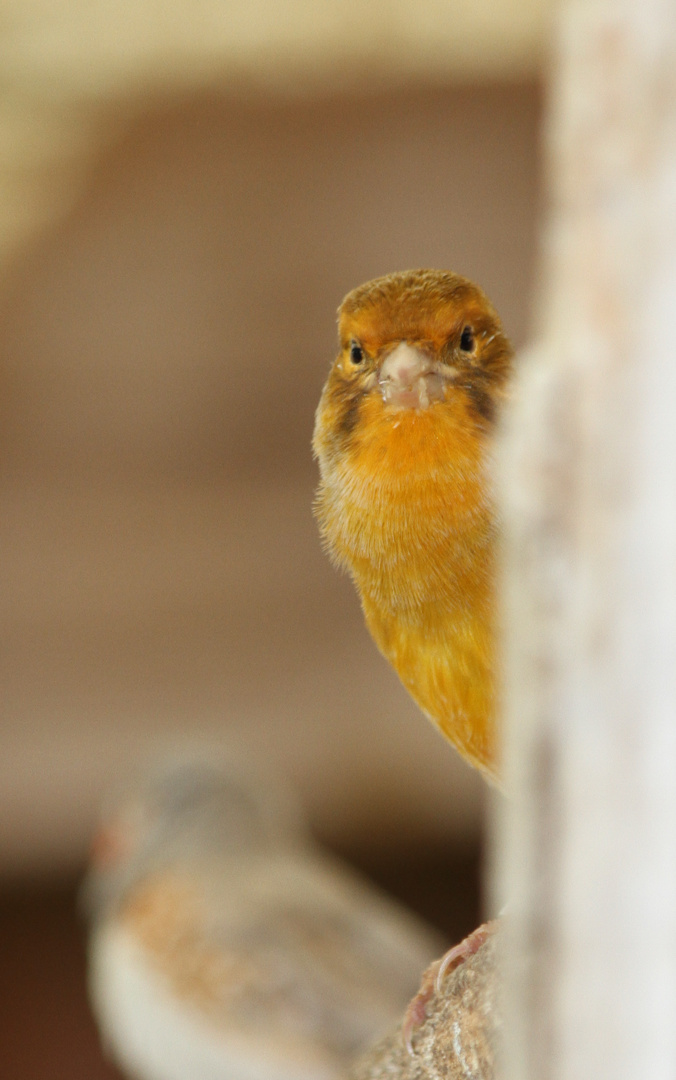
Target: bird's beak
408 379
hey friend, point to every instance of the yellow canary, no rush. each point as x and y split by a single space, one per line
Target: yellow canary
402 436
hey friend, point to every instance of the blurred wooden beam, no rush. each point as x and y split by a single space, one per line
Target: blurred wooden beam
75 73
589 846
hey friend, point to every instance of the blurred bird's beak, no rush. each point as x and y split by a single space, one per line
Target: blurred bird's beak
408 379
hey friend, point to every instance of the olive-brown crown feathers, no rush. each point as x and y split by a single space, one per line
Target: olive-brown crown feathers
432 306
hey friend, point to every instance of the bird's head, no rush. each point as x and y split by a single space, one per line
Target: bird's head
419 350
187 810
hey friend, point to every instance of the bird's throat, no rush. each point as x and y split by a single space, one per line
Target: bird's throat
406 511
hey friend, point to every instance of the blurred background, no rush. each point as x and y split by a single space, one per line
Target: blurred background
187 191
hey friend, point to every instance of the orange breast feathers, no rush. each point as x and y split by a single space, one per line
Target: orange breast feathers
402 437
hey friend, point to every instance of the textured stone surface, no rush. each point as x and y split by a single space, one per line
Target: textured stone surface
457 1040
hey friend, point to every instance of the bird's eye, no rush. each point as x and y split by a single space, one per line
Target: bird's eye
467 339
356 352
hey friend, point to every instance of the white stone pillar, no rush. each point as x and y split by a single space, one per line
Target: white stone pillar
586 848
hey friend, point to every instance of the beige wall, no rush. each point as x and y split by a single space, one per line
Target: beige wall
161 355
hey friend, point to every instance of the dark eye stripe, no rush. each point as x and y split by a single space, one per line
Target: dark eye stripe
350 416
482 402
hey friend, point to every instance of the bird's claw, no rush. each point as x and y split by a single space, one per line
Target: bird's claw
416 1013
432 980
459 953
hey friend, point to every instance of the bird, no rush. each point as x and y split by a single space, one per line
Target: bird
225 942
403 438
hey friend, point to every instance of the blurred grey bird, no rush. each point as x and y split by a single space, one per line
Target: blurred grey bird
226 945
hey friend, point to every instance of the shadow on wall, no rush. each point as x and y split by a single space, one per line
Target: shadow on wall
162 353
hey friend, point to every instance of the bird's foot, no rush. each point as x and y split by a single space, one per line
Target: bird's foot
433 977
